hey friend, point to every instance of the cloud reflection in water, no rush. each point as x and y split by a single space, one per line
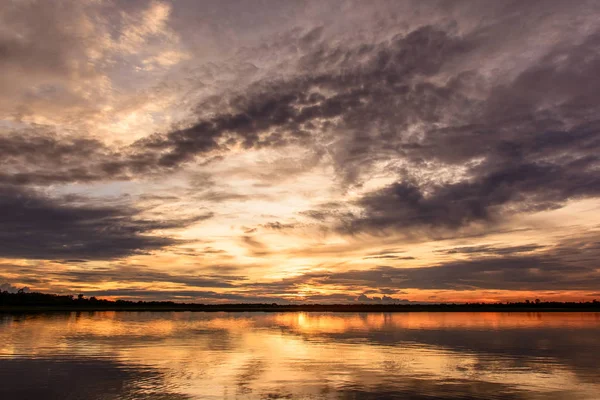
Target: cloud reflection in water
300 355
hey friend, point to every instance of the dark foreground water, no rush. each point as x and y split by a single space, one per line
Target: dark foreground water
128 355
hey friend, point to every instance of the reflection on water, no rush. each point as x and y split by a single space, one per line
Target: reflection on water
128 355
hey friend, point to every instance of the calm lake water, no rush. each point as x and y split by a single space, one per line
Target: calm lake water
150 355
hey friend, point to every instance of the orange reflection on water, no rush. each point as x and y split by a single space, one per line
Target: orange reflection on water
331 322
320 355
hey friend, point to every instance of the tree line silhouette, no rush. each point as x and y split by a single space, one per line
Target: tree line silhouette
31 301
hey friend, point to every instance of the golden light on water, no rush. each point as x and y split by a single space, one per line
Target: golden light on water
250 354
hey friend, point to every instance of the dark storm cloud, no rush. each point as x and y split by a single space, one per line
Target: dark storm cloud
39 157
38 227
527 187
365 97
536 141
268 114
283 112
528 143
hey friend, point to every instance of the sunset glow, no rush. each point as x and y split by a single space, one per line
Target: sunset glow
301 151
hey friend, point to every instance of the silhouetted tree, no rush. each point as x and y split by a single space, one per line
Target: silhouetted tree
24 298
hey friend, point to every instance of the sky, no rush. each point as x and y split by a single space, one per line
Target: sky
301 151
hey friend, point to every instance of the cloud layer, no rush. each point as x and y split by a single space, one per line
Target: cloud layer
299 148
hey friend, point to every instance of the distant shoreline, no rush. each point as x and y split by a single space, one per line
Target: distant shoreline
42 302
299 308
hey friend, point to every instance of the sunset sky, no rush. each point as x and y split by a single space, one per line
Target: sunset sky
301 151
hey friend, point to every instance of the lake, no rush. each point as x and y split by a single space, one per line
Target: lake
187 355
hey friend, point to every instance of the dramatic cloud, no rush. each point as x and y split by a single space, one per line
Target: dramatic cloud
527 187
455 142
566 265
38 227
